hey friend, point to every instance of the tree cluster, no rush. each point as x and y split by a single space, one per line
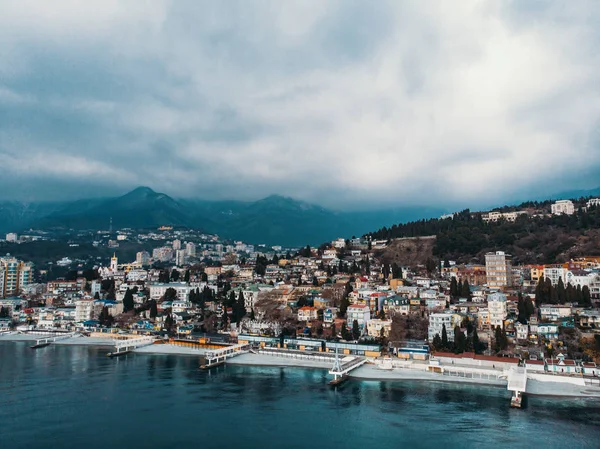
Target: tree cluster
546 293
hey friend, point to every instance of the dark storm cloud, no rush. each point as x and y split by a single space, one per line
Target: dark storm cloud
338 102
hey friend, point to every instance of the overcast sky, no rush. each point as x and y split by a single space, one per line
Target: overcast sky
340 103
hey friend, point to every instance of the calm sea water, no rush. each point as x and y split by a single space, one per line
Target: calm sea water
76 397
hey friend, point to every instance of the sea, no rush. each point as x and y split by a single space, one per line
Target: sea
77 397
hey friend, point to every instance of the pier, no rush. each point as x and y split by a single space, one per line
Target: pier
217 357
123 347
342 367
43 342
517 383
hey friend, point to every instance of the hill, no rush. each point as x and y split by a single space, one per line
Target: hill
544 239
272 220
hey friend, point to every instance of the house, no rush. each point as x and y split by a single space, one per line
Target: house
328 316
521 331
375 327
358 312
307 313
554 312
396 304
437 321
547 331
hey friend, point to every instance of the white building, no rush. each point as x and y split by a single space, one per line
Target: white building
437 321
84 310
594 202
339 243
11 237
157 291
190 249
375 326
359 312
180 257
565 207
498 269
176 244
142 258
497 309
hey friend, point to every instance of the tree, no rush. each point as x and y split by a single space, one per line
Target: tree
105 318
204 277
3 312
186 277
437 342
453 287
175 275
153 310
128 303
561 292
444 337
355 330
477 346
96 295
586 297
252 316
333 331
346 335
459 340
466 290
170 294
169 322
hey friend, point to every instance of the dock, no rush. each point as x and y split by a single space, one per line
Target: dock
43 342
123 347
217 357
517 383
342 367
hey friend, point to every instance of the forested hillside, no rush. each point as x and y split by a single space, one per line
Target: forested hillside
466 237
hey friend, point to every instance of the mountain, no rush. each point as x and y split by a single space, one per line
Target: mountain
272 220
140 208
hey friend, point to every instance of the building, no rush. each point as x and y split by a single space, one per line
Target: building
396 304
358 312
437 321
180 257
493 217
376 326
307 313
14 276
594 202
498 269
176 244
497 309
190 249
84 310
142 258
11 237
182 290
563 207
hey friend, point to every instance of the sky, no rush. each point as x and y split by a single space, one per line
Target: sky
346 104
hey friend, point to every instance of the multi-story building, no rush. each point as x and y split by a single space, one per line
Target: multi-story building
142 258
375 327
358 312
437 321
176 244
396 304
180 257
190 249
84 310
508 216
563 207
497 309
11 237
307 313
157 291
498 269
594 202
15 275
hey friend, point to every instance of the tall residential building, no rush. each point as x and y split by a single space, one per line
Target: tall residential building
190 249
497 309
565 207
142 258
180 257
498 269
15 275
176 244
437 321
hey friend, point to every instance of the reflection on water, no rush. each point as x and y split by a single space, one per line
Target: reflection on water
77 397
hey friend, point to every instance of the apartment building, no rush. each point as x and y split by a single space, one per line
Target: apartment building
498 269
563 207
497 309
14 276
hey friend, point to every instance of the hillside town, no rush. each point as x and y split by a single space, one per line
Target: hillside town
341 291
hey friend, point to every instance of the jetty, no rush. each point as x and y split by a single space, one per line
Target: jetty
342 367
123 347
217 357
517 383
47 341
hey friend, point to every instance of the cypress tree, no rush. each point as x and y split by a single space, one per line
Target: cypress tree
128 303
444 337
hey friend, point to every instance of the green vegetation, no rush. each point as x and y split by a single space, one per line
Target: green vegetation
531 240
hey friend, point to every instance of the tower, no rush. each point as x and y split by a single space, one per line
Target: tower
114 263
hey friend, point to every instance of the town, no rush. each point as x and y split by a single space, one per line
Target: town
194 287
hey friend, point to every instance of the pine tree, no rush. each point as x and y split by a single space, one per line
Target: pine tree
561 293
128 303
466 290
586 297
186 277
153 310
355 330
437 342
453 287
476 343
444 337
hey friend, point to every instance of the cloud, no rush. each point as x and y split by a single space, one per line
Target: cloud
345 103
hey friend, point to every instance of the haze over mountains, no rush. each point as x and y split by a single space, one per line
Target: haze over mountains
272 220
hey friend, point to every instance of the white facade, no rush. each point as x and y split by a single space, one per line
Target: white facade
358 312
190 249
497 309
594 202
498 269
84 310
157 291
565 207
437 321
374 327
11 237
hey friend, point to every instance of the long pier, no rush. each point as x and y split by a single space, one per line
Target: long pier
43 342
217 357
517 383
123 347
342 367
